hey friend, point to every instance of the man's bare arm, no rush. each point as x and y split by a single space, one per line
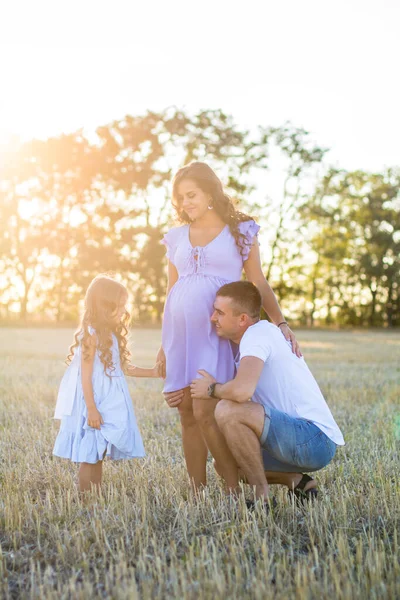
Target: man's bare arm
242 388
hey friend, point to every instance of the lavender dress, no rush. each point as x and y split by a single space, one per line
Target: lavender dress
188 337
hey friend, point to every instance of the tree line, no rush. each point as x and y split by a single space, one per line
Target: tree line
75 205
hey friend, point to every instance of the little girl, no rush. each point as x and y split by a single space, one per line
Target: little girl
93 403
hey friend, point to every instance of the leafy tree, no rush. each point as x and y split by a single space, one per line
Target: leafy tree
102 205
354 225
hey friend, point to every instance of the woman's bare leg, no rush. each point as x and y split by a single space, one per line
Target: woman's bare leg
90 475
194 446
204 413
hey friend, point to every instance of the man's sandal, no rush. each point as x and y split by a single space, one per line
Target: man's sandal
269 504
301 495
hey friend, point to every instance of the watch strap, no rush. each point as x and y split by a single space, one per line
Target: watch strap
211 390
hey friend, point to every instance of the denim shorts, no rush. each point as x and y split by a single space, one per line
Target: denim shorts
293 445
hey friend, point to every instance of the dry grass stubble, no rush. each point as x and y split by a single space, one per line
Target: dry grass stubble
145 537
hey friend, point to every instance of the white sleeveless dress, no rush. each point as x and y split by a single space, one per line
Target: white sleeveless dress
119 436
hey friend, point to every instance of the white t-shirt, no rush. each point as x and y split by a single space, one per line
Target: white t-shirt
286 383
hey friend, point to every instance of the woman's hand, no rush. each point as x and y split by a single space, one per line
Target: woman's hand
289 335
160 358
173 399
94 418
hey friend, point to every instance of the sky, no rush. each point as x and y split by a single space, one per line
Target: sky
329 66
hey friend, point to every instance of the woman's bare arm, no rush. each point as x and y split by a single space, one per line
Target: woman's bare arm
172 276
172 279
253 271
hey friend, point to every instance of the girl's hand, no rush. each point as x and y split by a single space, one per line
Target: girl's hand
94 418
289 335
160 358
158 369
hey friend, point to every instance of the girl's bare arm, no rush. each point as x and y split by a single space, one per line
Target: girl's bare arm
134 371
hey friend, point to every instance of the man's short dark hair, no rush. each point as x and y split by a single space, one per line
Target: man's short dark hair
245 296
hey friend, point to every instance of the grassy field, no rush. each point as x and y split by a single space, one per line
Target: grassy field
146 538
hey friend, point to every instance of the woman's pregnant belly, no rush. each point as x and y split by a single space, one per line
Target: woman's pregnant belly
192 298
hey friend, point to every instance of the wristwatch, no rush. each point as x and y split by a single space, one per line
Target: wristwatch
211 389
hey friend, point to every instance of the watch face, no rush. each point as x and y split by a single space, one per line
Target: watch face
210 390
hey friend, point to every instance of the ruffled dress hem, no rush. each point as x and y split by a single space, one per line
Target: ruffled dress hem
90 447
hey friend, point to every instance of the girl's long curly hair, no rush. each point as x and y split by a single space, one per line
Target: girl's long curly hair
103 298
208 182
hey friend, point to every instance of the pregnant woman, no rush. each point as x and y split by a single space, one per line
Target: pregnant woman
212 248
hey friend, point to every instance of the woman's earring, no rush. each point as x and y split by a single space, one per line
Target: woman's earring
210 207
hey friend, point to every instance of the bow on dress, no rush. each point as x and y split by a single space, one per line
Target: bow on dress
197 259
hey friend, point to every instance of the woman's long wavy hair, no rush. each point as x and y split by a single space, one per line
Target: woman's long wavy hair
209 183
103 297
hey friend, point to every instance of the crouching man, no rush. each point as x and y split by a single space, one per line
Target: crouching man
287 427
